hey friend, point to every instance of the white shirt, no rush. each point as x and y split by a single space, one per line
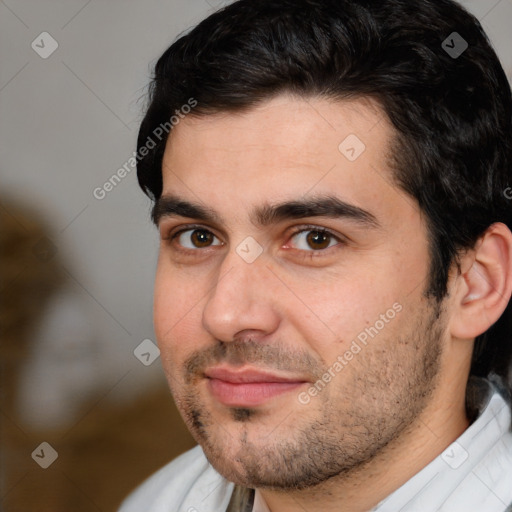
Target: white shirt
474 474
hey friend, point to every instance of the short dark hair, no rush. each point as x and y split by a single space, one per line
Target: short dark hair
452 113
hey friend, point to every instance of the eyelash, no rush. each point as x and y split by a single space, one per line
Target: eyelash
300 229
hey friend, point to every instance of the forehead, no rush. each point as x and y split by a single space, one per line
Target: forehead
283 149
293 127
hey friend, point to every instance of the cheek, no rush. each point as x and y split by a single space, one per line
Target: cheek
177 335
176 308
335 309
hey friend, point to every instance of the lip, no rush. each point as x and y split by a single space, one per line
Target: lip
247 375
248 387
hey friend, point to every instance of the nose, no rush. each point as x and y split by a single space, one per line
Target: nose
242 301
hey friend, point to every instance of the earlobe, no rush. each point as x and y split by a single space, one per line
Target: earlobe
484 287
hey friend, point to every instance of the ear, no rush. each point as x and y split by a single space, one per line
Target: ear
483 288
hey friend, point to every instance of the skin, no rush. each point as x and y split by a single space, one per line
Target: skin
397 403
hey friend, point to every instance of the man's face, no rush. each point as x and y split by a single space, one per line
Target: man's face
255 303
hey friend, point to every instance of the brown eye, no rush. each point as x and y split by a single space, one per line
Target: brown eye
318 240
314 239
196 238
201 238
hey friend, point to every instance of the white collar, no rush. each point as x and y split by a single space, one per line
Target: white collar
472 473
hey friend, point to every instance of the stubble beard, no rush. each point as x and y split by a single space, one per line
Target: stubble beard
353 423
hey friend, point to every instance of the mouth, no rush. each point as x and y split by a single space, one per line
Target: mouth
248 387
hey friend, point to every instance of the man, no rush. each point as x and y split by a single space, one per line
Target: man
330 183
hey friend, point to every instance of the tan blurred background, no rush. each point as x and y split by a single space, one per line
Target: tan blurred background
83 420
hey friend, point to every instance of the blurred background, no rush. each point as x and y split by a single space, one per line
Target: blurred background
85 413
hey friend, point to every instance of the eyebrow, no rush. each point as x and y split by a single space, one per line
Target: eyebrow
324 206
